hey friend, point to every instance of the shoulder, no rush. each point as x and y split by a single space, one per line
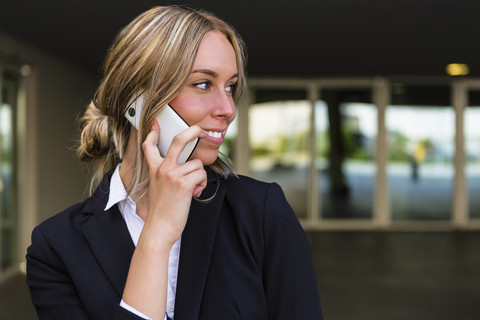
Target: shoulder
245 191
264 200
249 188
60 232
68 223
55 238
63 220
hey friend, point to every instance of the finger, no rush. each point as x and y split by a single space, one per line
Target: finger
197 191
195 173
198 178
149 146
180 141
201 185
201 178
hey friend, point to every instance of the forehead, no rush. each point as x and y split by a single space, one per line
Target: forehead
216 53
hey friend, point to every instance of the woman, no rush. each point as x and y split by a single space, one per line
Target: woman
140 247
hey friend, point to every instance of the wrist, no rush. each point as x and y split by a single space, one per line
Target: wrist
158 239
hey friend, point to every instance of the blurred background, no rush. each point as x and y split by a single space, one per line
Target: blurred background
366 112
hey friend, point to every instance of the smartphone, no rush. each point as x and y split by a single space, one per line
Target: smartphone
170 123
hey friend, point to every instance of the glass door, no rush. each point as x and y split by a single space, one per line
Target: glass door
278 134
421 127
317 139
9 83
472 149
346 132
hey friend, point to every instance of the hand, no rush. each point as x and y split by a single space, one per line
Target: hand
172 185
167 204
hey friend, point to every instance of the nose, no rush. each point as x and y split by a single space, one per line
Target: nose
224 106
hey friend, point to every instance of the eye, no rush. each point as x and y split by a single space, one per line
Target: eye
231 88
204 85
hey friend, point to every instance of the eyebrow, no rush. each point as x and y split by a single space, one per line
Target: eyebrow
212 73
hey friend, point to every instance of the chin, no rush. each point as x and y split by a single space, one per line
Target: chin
207 157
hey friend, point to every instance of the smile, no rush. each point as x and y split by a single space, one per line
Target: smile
214 134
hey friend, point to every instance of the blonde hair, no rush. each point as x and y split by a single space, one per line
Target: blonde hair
153 54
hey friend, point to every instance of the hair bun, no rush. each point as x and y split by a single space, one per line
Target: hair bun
95 139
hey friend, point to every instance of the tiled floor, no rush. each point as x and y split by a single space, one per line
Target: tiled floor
368 275
390 276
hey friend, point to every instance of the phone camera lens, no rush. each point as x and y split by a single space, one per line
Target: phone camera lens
131 112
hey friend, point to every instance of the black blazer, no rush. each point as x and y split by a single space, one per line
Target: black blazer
243 256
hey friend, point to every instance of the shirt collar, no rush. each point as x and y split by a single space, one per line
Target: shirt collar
117 189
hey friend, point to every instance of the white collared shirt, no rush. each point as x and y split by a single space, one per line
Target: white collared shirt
118 195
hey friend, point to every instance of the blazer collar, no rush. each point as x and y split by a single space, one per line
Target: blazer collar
196 251
108 236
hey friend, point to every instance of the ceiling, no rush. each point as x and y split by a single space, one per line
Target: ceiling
284 38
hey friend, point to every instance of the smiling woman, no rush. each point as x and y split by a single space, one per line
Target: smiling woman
147 244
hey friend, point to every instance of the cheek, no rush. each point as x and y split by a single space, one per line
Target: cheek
187 108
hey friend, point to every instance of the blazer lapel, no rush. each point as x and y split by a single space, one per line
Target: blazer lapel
195 252
108 237
110 241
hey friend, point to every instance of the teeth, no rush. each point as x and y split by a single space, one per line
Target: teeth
214 134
